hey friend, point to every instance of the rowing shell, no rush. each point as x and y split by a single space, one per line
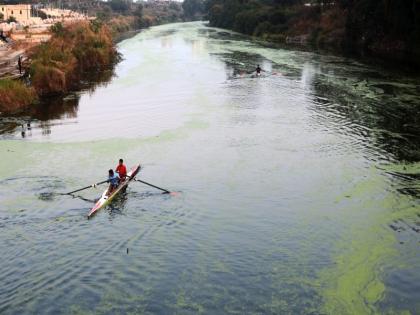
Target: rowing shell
104 200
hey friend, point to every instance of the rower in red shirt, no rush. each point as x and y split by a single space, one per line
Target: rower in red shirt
121 170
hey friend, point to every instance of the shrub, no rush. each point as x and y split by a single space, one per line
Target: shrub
11 19
57 29
263 28
58 64
48 79
14 95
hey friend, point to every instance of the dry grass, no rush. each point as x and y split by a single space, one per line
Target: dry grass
60 63
120 24
15 95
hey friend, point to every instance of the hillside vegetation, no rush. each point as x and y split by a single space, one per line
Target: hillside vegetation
60 63
14 95
390 28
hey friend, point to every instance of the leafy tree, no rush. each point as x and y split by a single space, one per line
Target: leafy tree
247 21
138 12
174 6
104 14
385 26
192 7
57 29
11 19
119 5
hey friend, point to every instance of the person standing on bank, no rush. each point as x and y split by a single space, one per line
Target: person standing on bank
20 64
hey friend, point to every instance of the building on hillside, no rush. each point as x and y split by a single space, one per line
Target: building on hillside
21 12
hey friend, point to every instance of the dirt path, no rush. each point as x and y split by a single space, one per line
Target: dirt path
9 61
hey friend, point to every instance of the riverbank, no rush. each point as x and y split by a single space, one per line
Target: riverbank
58 65
307 205
378 29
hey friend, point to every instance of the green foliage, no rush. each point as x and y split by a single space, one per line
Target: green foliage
383 25
192 8
105 14
247 21
388 25
96 25
121 6
40 14
11 19
263 28
173 6
57 29
223 13
138 12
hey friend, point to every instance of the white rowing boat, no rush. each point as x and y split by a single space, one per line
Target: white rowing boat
105 199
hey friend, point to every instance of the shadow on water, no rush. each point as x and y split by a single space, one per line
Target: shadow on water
379 111
117 206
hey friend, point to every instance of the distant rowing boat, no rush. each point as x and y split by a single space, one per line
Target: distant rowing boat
105 200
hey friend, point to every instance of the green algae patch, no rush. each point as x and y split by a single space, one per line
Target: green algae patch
183 302
354 284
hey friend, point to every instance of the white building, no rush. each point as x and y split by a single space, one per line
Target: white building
21 12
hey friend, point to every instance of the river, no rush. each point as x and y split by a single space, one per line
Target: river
297 191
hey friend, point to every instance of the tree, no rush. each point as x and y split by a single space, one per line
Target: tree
105 14
192 7
11 19
138 12
119 5
58 29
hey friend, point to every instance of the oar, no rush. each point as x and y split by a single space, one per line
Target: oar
138 180
90 186
151 185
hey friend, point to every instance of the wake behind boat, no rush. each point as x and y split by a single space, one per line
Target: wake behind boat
106 199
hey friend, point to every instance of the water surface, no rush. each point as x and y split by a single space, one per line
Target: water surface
298 190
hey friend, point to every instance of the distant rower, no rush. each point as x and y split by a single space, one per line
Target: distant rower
121 170
258 70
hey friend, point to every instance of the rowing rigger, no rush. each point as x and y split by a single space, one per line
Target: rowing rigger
106 197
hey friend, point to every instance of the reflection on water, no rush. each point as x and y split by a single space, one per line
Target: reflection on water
53 110
299 187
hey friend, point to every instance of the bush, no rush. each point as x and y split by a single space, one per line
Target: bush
277 17
14 95
11 19
48 79
58 64
263 28
119 5
57 29
247 21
